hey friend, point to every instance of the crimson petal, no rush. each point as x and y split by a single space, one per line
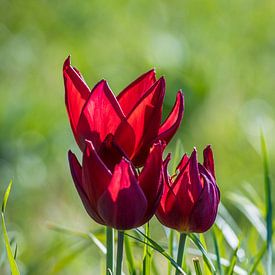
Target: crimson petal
172 122
76 94
150 180
208 160
95 174
129 97
136 133
101 115
205 210
123 204
76 172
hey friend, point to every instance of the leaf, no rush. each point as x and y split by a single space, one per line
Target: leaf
233 262
250 211
206 258
69 257
268 203
147 254
217 252
257 259
197 266
90 236
129 256
158 248
224 262
6 196
12 262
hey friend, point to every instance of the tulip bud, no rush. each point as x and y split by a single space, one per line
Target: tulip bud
191 197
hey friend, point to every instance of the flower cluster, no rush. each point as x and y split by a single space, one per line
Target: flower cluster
123 180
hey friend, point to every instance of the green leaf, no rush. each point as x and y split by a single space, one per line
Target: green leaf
147 254
257 259
205 256
129 256
90 236
6 196
12 262
158 248
197 266
250 211
268 201
217 251
233 262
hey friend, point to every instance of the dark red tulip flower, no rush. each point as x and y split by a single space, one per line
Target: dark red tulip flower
191 197
119 198
132 120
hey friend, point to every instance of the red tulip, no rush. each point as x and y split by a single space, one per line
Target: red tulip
191 197
132 119
121 198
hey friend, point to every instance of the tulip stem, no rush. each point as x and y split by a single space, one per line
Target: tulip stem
110 250
119 256
180 250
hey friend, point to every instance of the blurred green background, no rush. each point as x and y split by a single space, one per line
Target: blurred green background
220 53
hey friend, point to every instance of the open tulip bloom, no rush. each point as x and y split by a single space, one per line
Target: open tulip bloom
191 197
132 119
121 198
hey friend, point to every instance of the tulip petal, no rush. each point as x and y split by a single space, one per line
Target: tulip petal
187 185
136 133
205 210
183 163
208 160
170 212
96 176
150 180
172 122
76 94
76 172
101 115
123 204
129 97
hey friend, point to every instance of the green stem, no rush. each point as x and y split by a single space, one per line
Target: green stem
180 250
171 250
110 250
147 252
119 256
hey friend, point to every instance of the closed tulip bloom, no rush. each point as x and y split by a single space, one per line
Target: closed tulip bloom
133 118
119 198
191 197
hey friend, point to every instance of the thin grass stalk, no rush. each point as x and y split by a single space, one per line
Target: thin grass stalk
119 256
268 205
170 250
147 252
180 250
110 251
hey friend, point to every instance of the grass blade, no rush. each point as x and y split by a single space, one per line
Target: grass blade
257 259
129 256
12 262
233 262
217 252
206 258
158 248
268 202
147 253
197 266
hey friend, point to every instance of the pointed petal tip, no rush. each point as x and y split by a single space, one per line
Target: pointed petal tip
67 62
